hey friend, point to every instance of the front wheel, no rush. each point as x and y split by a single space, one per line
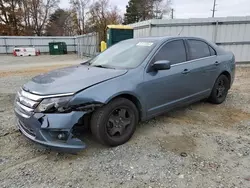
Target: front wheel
115 123
220 90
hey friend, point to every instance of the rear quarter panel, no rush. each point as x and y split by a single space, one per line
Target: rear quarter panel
227 63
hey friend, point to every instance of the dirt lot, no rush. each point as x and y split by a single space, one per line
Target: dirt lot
201 146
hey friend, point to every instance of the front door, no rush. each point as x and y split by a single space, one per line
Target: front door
165 89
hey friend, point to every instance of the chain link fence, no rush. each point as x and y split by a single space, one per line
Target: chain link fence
83 45
87 45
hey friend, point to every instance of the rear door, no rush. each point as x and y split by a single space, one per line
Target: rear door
203 66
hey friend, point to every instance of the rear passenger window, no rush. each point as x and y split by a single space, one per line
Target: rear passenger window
174 52
198 49
212 51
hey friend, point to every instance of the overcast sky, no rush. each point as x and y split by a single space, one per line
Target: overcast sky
196 8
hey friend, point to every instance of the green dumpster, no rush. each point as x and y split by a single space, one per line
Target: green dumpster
57 48
117 33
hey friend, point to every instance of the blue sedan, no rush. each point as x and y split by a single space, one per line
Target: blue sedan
132 81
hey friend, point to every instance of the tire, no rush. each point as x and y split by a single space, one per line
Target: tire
115 123
220 90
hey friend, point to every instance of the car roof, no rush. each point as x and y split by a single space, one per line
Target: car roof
164 38
161 39
155 39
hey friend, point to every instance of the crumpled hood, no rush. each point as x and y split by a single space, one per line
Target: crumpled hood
70 79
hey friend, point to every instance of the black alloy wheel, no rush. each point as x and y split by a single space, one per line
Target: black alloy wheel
220 90
119 122
115 123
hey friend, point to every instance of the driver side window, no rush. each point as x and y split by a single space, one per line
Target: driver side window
173 51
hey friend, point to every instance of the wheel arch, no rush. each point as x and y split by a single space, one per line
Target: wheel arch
133 99
228 75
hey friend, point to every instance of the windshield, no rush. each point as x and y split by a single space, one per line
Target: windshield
126 54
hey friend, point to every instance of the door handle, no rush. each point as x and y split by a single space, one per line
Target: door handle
185 71
216 63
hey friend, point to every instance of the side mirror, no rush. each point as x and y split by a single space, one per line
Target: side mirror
162 65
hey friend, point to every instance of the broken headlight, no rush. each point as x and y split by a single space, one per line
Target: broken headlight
53 104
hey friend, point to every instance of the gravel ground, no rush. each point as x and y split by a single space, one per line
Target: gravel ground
201 146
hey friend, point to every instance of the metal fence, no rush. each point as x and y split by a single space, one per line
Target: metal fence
87 45
231 33
83 45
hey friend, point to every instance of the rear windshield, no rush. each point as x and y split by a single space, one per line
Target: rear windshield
126 54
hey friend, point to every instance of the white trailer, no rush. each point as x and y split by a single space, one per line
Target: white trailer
23 51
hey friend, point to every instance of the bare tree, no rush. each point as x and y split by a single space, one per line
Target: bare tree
113 16
10 16
36 14
161 8
38 17
80 7
26 6
101 14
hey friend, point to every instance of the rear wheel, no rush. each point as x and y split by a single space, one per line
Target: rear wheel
115 123
220 90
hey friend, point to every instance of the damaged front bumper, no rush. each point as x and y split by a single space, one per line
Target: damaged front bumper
52 130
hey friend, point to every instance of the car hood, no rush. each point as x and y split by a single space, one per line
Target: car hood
70 79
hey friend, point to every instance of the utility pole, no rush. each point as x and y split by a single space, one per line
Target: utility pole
214 8
172 13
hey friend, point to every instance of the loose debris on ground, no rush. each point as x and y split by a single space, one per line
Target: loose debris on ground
202 145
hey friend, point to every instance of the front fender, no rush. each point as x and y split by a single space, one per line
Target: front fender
104 92
124 93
